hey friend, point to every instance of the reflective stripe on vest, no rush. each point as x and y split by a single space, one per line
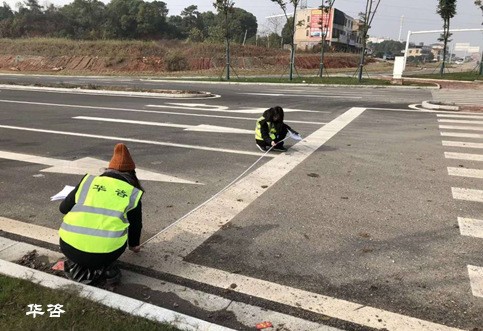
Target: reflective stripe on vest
98 221
271 129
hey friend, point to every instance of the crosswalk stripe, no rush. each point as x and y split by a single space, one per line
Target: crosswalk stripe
461 127
460 116
463 156
462 135
467 194
476 280
460 121
471 227
462 144
464 172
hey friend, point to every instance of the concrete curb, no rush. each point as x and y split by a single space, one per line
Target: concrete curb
110 299
433 106
290 84
201 94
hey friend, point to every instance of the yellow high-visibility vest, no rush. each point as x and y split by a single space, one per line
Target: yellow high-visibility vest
271 130
98 221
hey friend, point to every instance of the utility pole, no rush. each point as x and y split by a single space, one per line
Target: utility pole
400 28
292 54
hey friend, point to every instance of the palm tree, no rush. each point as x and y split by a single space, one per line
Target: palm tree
447 10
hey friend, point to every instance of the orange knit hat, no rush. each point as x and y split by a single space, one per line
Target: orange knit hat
121 159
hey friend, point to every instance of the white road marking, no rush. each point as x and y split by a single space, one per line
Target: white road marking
198 226
462 144
476 279
303 95
465 172
86 165
460 116
461 127
471 227
199 128
293 297
463 156
460 121
467 194
140 141
253 119
462 135
226 109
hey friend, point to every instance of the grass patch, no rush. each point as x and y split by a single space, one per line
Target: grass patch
310 80
464 76
80 313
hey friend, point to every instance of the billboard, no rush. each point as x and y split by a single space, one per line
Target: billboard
316 18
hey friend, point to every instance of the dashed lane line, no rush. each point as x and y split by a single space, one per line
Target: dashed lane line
463 156
133 110
470 227
140 141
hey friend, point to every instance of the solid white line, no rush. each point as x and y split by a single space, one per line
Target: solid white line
464 172
460 116
467 194
146 111
198 128
471 227
462 135
293 297
201 224
226 109
463 156
109 299
303 95
460 121
462 144
460 127
476 280
140 141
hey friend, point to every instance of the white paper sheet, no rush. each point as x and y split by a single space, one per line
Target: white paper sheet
294 136
62 194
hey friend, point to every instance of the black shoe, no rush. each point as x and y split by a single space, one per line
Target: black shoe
262 149
279 149
112 274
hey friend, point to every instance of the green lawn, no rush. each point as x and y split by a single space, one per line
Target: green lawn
465 76
80 313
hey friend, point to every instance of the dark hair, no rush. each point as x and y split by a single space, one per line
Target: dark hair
129 176
274 114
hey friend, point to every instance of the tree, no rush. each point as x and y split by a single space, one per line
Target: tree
366 21
479 3
447 10
291 24
84 19
327 9
224 8
5 12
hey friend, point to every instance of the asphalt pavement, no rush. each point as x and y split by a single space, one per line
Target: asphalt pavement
370 222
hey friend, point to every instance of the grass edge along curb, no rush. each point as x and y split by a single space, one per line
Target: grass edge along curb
110 299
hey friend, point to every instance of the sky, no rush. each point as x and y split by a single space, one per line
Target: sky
419 15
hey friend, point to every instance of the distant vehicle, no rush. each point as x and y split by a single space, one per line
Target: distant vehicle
459 61
388 56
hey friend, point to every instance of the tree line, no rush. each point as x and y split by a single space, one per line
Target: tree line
123 19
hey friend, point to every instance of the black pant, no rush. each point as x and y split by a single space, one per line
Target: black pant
90 260
279 136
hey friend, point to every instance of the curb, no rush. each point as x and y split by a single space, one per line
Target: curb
288 84
201 94
110 299
434 106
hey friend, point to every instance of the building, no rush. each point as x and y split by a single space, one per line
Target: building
339 29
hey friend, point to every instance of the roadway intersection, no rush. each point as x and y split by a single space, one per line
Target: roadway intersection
374 220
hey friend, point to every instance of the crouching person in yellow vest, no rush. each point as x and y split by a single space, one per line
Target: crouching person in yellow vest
103 215
271 130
